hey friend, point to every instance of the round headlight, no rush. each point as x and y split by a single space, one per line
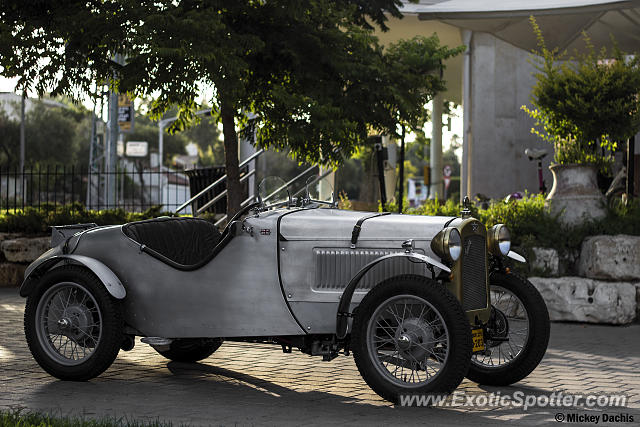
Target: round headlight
500 239
447 244
454 245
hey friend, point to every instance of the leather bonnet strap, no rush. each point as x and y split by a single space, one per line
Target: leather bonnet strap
356 229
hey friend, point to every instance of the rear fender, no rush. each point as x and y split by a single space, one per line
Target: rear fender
108 278
345 300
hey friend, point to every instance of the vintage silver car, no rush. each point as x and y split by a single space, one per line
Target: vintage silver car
421 301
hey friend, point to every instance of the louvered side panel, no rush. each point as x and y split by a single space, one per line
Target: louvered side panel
336 267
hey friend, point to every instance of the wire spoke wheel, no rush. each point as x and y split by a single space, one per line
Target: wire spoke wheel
409 340
509 323
68 323
410 335
73 326
517 333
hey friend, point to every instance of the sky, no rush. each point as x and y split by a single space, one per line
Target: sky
7 85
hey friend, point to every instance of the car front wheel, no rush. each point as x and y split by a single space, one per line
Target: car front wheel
517 333
411 336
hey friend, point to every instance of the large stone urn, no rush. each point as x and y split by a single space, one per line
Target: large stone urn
575 194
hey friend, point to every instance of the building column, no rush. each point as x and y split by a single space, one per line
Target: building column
435 155
390 178
465 169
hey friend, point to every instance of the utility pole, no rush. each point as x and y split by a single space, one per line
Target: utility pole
631 143
112 143
112 152
22 131
92 153
96 184
435 156
401 177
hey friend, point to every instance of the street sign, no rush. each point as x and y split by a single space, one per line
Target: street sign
125 113
446 171
137 148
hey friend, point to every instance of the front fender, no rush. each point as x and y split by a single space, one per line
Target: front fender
347 295
45 263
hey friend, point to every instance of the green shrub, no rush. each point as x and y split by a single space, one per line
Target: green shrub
38 220
533 225
585 103
431 207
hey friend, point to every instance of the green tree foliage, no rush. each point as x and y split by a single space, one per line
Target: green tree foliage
9 141
208 139
585 103
312 71
53 135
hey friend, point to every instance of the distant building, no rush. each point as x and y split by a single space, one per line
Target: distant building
185 161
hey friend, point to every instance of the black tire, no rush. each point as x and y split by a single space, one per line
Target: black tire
535 344
459 349
189 350
103 354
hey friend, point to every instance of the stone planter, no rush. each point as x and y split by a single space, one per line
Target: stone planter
575 194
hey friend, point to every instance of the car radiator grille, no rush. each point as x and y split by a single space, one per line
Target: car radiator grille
474 273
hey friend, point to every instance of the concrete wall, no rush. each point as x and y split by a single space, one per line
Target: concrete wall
502 78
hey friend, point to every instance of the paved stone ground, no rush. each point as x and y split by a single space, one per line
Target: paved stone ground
245 384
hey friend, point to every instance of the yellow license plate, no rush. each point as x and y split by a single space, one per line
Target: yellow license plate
478 339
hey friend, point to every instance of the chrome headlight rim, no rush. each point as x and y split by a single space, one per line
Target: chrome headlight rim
447 244
453 243
499 240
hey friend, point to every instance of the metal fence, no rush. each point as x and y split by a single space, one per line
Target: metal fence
130 188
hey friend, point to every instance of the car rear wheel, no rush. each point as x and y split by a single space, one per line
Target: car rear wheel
191 350
411 336
72 325
520 324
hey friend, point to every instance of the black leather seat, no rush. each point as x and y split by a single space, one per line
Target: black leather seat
184 243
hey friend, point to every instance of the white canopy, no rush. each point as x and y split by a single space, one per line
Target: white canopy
561 21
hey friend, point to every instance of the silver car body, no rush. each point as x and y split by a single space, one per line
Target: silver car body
283 272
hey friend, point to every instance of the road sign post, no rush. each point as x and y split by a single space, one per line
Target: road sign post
446 172
126 113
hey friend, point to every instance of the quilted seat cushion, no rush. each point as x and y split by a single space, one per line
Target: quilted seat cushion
186 241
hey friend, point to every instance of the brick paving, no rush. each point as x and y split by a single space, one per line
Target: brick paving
248 384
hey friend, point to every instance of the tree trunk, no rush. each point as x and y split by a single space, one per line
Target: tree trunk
234 189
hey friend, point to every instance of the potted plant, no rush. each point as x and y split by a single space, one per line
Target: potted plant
584 105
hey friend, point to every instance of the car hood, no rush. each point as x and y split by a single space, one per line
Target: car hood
335 224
